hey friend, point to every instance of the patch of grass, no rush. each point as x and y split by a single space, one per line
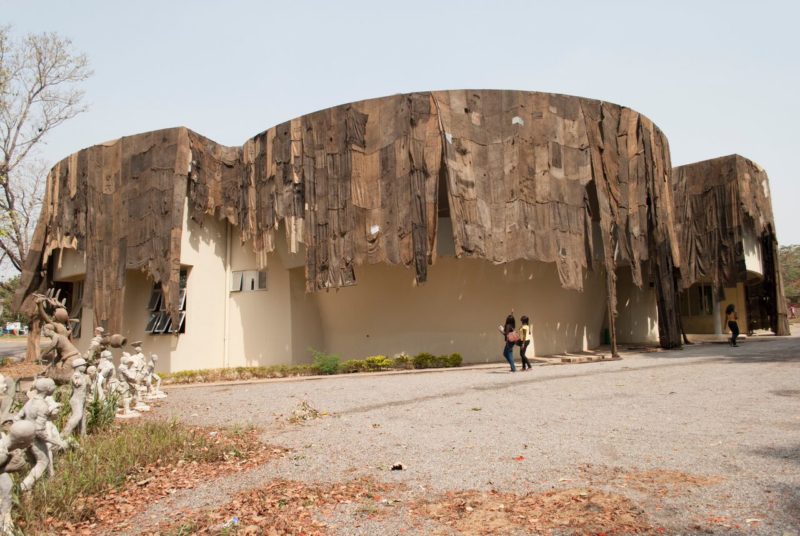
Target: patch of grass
323 364
104 461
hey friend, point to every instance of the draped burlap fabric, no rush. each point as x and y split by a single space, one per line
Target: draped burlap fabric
530 176
714 201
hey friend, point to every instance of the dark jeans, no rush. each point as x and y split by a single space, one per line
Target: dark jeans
734 327
508 353
523 357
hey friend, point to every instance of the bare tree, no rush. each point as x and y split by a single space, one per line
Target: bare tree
40 78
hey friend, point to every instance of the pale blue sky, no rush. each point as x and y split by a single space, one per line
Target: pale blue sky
717 77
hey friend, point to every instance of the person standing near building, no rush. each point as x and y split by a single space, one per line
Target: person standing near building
525 338
731 317
510 338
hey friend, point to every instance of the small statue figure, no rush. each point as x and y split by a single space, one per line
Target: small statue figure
77 402
59 320
63 347
138 357
8 388
96 346
106 375
91 389
127 387
53 436
37 411
151 378
19 437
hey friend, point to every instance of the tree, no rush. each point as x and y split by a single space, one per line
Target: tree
790 269
40 77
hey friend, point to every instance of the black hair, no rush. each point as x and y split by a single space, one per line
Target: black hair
510 322
729 309
523 319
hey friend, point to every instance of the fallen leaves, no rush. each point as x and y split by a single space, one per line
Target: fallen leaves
115 508
576 510
285 507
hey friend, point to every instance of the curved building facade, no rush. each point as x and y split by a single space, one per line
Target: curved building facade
407 223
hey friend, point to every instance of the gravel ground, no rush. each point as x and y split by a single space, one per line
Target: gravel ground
729 414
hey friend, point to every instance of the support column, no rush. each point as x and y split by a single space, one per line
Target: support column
717 316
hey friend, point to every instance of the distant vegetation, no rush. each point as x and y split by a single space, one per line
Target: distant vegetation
790 268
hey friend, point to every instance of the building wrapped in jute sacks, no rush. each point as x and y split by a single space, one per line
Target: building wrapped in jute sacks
407 223
729 247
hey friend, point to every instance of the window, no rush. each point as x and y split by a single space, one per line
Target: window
76 308
160 322
697 301
248 280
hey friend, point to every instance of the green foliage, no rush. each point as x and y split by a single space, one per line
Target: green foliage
104 462
403 362
325 363
379 362
7 289
353 365
790 269
426 360
100 413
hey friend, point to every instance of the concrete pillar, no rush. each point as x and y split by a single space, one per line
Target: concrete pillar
717 317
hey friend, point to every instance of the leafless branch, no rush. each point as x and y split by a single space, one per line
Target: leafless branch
40 77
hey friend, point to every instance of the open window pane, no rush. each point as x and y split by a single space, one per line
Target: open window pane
162 324
155 300
182 300
151 322
237 279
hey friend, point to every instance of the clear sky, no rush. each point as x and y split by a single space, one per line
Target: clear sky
717 77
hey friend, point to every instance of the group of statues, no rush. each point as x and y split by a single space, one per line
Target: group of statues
92 377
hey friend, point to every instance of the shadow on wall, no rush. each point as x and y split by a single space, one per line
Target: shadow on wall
458 310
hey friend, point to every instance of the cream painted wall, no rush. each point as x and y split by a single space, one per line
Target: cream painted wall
259 325
637 310
458 310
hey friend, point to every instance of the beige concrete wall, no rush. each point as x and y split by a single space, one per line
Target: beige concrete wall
260 321
70 265
637 310
458 310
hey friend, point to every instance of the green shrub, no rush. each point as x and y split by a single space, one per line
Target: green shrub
403 361
378 362
454 360
325 363
424 360
353 365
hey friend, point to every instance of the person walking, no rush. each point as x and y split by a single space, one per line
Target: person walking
731 317
510 338
525 338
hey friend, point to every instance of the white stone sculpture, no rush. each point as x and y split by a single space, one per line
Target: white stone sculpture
153 380
106 376
127 387
37 411
8 388
96 346
91 389
77 401
20 436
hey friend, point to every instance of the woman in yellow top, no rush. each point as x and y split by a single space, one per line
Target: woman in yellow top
733 325
525 338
